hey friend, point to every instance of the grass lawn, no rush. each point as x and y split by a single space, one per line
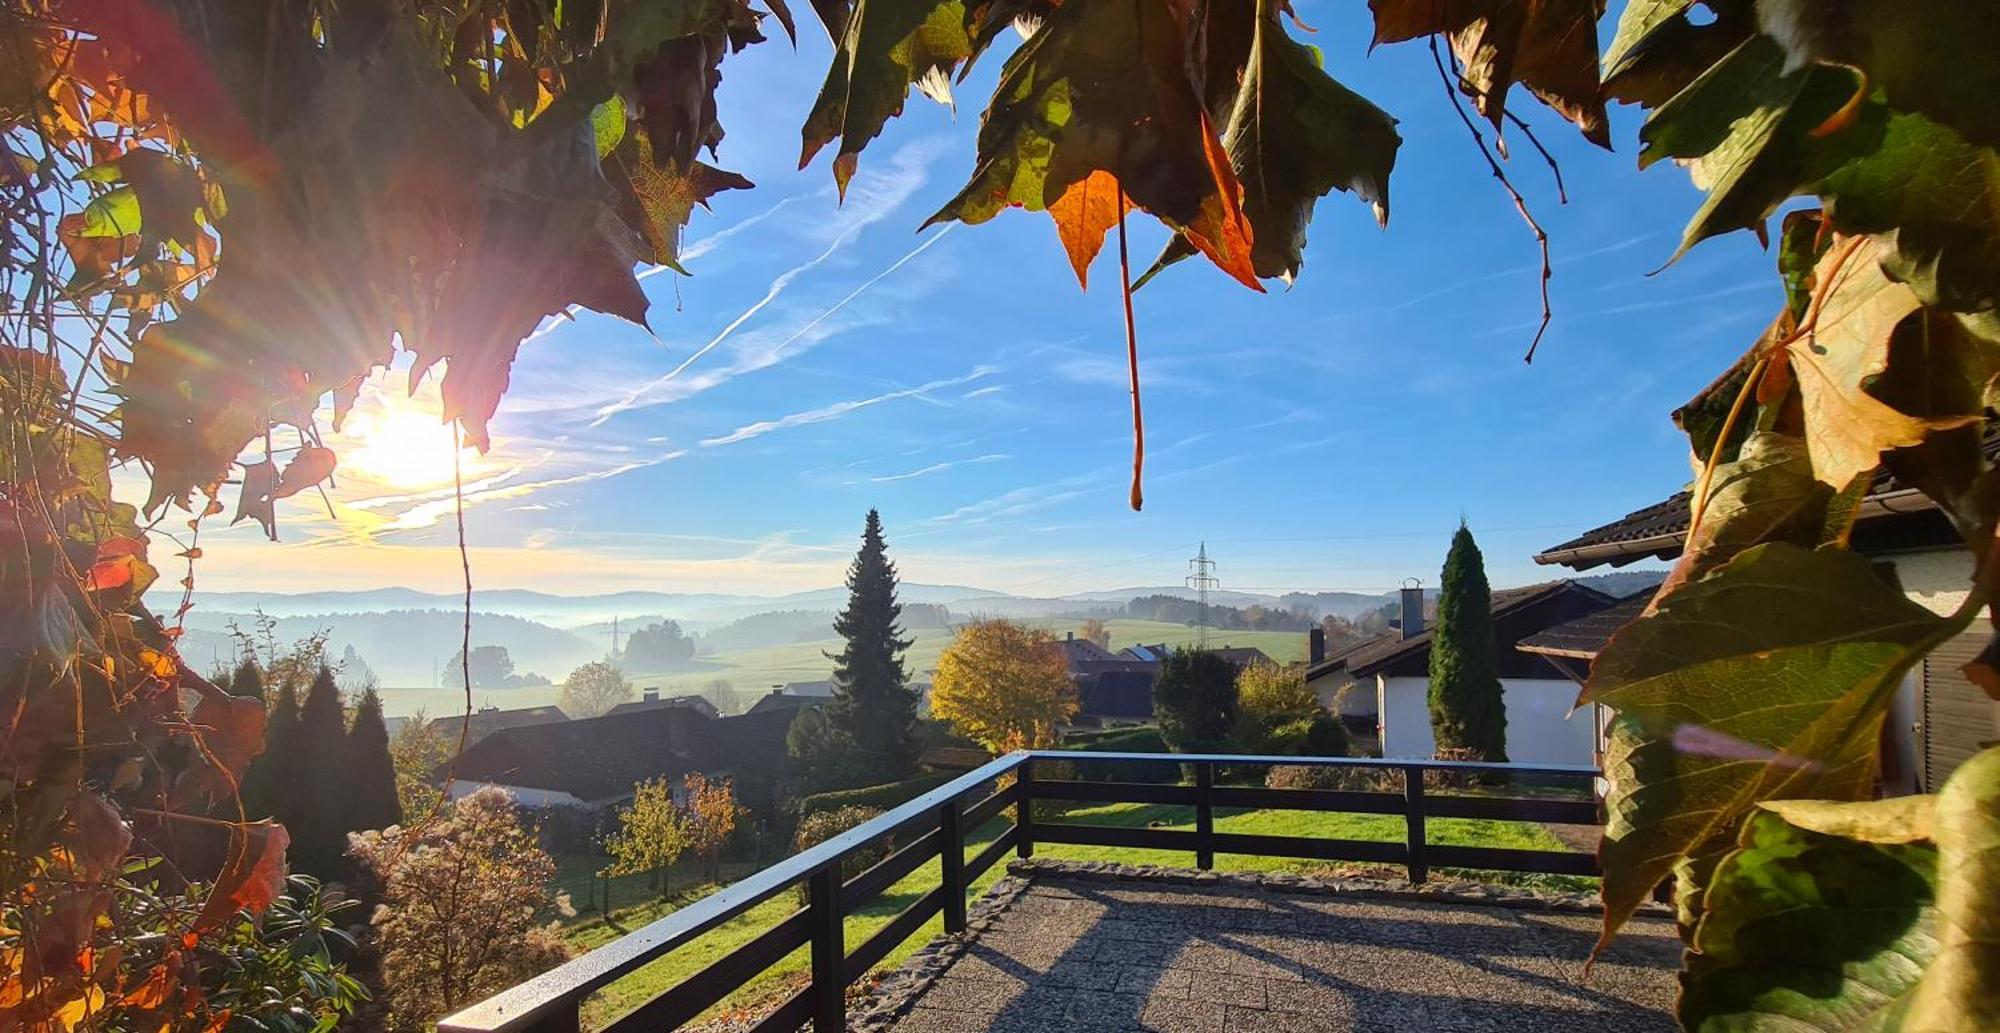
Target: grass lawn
592 931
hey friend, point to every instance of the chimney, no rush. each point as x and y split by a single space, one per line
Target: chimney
1412 622
1069 636
650 696
1315 645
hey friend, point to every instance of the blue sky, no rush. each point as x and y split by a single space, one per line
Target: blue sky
1326 437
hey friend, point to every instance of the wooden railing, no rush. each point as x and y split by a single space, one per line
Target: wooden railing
940 821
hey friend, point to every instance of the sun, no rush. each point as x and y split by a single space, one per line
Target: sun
397 441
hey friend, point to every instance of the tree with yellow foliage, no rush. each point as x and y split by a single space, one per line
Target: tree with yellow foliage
1004 686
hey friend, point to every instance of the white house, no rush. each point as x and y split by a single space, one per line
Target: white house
1393 671
1938 718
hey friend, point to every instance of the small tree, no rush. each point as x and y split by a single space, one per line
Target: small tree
820 754
652 833
593 689
417 751
462 900
315 810
1093 630
372 800
272 775
1004 686
492 668
710 814
1194 699
1468 712
1274 709
248 681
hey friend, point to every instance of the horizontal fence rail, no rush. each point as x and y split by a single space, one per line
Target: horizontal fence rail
936 824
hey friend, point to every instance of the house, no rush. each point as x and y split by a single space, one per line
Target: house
792 695
1938 718
1393 670
485 721
650 699
1570 647
595 762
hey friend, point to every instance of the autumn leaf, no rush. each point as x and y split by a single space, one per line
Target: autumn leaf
258 498
677 97
886 47
252 877
230 730
661 198
1548 46
1767 493
1960 989
1658 48
1104 87
1935 59
1784 652
985 20
1293 135
310 466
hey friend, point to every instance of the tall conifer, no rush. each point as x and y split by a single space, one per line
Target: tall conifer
269 779
314 810
370 773
1468 711
872 708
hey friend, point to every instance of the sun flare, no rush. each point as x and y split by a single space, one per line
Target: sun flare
397 441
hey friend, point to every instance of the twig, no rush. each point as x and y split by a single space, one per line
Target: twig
1562 194
1520 203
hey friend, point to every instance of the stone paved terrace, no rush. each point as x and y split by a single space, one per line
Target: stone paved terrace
1080 952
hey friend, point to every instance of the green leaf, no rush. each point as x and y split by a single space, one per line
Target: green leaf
660 198
1657 51
1768 493
607 125
114 214
1294 134
1640 21
1766 679
1961 988
1810 931
1933 58
1744 129
1896 819
1940 196
886 47
1099 103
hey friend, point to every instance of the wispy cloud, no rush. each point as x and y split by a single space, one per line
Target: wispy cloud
838 409
992 457
982 392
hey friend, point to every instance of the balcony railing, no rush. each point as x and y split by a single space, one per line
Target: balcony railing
941 820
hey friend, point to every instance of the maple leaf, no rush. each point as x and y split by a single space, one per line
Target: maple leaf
1658 49
231 730
1104 87
1935 59
986 19
252 877
1549 46
677 97
257 499
661 198
1293 135
310 466
886 47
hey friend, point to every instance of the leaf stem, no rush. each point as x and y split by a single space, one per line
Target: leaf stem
1131 359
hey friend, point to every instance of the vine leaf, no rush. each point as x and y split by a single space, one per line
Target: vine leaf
986 19
1895 819
260 482
886 47
1784 653
1744 129
1549 46
1768 493
310 466
1293 135
1104 87
1938 62
1844 348
1961 987
251 878
661 198
1658 50
1813 930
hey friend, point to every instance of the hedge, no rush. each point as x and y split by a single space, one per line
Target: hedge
882 797
1130 740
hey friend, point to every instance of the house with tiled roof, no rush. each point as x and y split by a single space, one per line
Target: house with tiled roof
1392 671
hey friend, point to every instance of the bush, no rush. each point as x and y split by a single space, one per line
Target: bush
1128 740
1326 737
820 826
1319 776
878 798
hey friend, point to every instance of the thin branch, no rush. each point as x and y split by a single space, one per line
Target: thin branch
1131 360
1520 203
1562 193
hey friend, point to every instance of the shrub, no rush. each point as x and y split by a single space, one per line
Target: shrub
1319 776
819 826
886 796
1129 740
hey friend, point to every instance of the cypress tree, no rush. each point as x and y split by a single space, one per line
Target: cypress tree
314 811
872 708
1467 709
266 785
370 773
248 680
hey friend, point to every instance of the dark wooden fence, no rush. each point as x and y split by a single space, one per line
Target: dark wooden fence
935 825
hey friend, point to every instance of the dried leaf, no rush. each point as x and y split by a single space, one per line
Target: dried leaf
253 876
310 466
258 498
1549 46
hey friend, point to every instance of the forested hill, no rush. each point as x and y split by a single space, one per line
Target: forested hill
401 646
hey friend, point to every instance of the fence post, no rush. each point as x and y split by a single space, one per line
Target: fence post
1024 808
566 1019
951 862
1413 820
829 988
1204 815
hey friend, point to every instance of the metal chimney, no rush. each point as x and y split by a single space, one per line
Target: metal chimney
1316 644
1412 619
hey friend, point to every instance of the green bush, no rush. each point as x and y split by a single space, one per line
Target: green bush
820 826
882 797
1128 740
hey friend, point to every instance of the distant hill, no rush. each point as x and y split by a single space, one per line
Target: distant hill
400 645
1621 583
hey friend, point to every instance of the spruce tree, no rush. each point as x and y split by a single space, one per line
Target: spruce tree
370 773
314 809
248 680
1467 709
269 779
872 708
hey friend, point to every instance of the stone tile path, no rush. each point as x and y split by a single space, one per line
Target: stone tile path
1092 957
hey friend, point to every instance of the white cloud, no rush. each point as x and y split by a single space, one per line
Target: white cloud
993 457
837 409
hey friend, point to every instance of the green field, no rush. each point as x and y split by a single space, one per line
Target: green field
752 672
619 997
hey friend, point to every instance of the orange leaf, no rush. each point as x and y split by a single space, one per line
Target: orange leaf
253 876
108 574
1221 231
155 992
1083 214
120 546
312 465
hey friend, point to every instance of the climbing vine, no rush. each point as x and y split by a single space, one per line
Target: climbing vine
216 214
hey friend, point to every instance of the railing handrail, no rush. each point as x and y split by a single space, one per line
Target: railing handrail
558 990
1259 760
581 975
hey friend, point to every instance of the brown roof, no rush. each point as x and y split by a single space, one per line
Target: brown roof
1373 655
486 721
601 758
1584 637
